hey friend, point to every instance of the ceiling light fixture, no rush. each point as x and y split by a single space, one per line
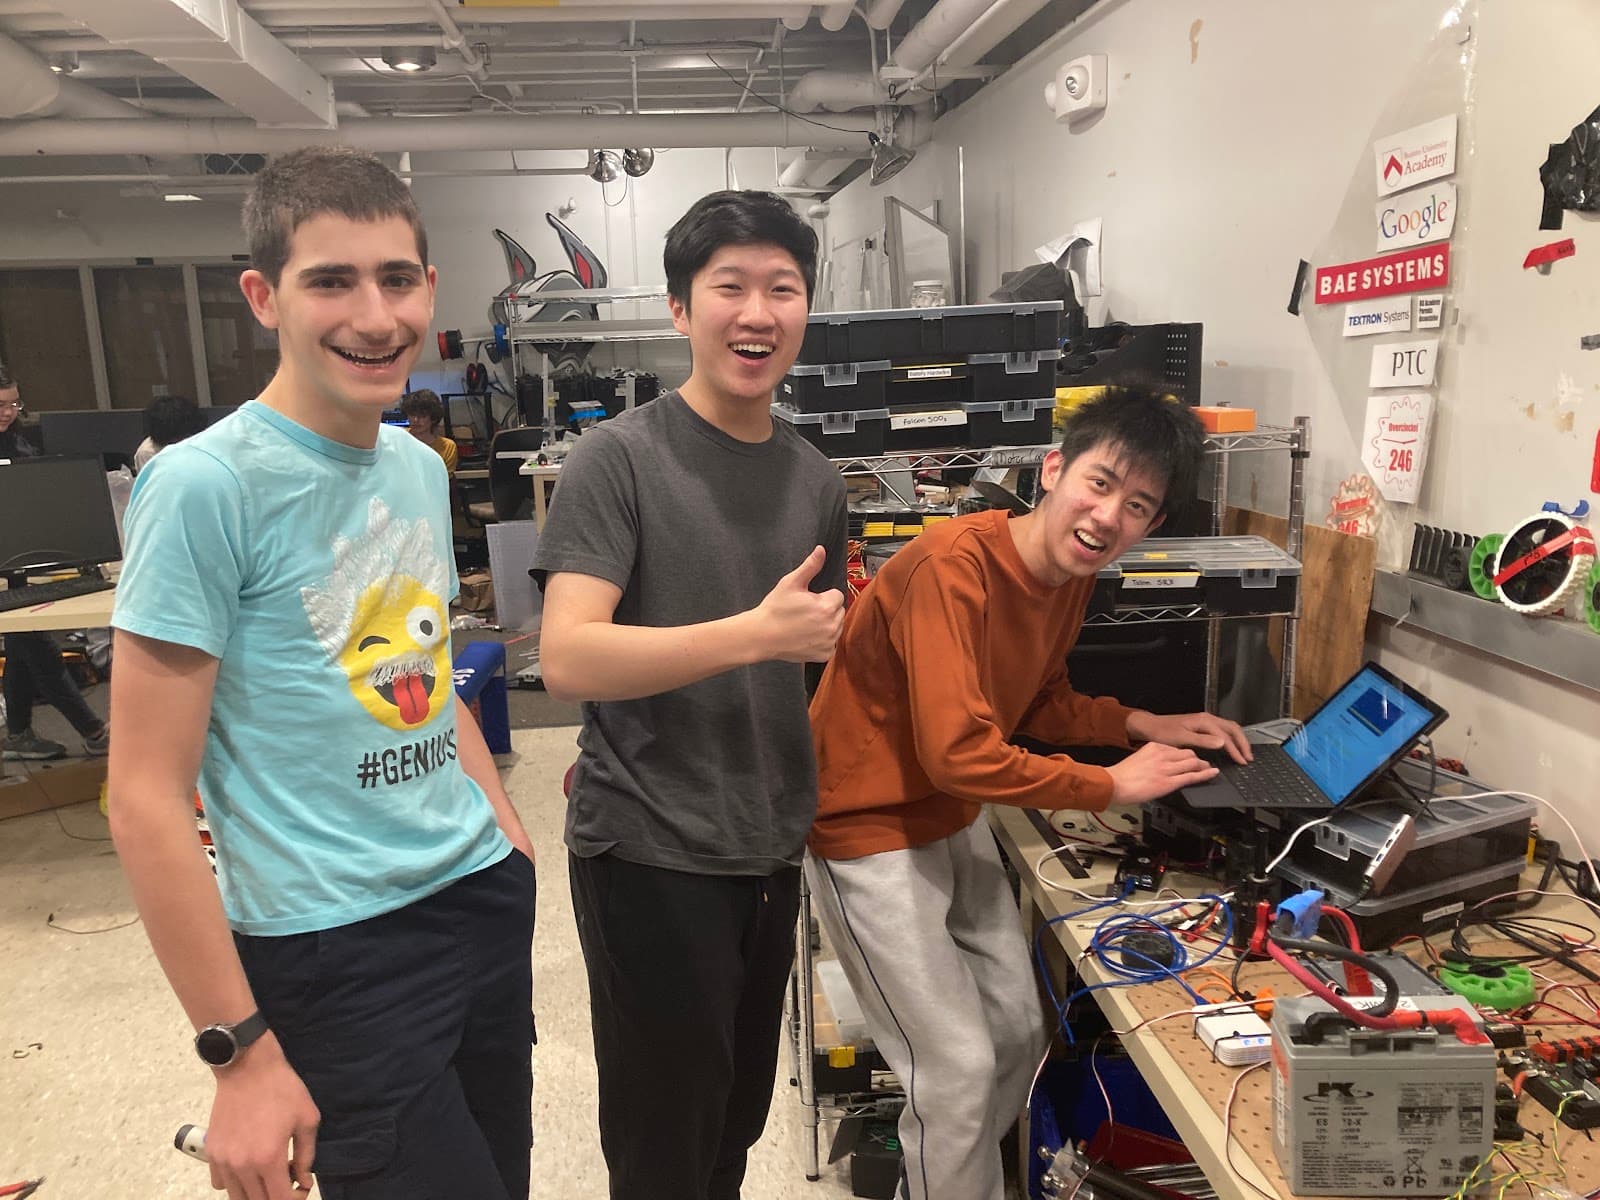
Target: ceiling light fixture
409 58
637 162
180 197
888 160
605 166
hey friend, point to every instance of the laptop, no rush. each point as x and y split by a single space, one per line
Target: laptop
1362 730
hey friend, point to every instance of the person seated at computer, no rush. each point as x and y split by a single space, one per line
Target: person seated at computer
12 443
425 417
35 669
169 419
959 643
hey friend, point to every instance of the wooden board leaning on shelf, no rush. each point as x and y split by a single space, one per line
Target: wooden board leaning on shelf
1336 576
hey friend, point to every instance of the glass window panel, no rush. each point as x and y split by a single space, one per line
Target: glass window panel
240 355
145 327
44 338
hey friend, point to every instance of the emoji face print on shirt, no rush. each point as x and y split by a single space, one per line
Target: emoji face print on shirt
382 619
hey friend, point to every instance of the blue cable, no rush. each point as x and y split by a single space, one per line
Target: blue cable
1107 936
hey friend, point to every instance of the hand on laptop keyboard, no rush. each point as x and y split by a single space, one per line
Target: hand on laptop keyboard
1155 770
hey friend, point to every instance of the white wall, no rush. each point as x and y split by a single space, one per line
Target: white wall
1234 132
71 223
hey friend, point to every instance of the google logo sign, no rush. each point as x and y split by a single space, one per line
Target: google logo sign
1424 215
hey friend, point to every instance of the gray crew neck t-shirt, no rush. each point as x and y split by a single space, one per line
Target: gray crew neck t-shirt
719 777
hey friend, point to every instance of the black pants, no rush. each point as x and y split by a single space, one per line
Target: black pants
412 1033
35 670
686 982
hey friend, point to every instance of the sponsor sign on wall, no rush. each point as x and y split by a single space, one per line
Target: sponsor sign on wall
1395 447
1377 316
1416 155
1404 364
1413 218
1430 311
1389 275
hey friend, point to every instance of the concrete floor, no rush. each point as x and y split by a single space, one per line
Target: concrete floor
96 1069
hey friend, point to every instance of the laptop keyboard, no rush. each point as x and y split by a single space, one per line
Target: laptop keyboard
1274 778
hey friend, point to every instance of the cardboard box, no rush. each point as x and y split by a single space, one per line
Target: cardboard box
477 592
38 787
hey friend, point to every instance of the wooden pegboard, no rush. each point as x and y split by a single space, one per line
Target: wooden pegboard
1252 1110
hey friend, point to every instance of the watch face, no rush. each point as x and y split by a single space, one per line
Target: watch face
216 1045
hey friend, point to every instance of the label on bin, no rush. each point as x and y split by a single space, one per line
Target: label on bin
928 420
1166 579
930 372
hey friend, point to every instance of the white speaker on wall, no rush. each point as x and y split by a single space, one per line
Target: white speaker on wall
1078 89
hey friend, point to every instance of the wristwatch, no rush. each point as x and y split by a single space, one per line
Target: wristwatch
219 1045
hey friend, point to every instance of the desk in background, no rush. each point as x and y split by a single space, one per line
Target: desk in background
91 611
543 477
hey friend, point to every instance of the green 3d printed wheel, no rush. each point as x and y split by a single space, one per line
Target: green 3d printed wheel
1480 571
1500 986
1591 598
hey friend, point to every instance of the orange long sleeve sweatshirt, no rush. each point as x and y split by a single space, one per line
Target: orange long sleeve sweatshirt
951 650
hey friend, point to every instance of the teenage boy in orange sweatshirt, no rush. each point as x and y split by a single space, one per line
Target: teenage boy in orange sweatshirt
960 643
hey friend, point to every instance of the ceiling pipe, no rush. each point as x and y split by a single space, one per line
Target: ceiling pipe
837 91
946 21
881 13
989 30
455 40
394 134
837 15
806 172
241 182
796 21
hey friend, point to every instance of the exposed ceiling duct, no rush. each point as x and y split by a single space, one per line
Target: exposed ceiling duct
837 91
219 46
29 88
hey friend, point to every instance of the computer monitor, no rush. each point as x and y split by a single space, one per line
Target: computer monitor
57 514
114 434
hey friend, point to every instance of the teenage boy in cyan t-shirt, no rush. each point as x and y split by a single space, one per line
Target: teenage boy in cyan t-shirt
283 637
695 560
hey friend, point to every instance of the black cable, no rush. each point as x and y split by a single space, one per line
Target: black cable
1373 967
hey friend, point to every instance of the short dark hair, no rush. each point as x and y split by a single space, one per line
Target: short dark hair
424 402
314 180
1150 431
6 380
170 419
736 219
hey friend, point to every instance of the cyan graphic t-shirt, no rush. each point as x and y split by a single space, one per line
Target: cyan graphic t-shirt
320 575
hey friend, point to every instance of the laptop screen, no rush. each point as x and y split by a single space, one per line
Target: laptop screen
1367 724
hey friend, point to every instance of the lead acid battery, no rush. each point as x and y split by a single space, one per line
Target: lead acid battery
1366 1112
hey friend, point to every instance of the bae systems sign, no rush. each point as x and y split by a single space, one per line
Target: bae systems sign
1413 218
1426 267
1415 156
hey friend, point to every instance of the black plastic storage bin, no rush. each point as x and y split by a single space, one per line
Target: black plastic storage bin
1115 354
1221 576
1021 375
839 434
1010 422
932 334
835 387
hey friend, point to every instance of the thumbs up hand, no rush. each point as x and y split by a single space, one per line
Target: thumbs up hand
794 623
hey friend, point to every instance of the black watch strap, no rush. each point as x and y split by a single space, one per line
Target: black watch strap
220 1045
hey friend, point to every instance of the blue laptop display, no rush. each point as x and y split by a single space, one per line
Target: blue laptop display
1364 728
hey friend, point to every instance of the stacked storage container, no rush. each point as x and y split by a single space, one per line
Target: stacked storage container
914 379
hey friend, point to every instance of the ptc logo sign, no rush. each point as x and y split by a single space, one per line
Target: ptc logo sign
1416 155
1427 214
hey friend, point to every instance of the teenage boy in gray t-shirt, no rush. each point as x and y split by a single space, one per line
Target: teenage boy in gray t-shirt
693 561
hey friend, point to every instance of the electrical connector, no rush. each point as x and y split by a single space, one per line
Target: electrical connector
1299 915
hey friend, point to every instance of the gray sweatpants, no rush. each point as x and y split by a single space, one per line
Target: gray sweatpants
932 944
